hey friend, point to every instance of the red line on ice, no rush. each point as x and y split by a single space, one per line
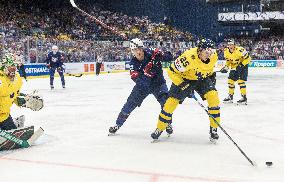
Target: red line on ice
153 176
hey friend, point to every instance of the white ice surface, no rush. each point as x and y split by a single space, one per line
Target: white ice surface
76 147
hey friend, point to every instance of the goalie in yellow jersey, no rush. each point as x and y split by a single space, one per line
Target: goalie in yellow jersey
192 71
237 60
10 85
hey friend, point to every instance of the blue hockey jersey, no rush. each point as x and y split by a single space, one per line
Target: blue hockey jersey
138 67
54 60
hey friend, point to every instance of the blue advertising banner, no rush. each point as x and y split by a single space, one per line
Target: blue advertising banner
263 63
36 69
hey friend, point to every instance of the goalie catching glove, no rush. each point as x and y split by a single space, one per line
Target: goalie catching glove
31 101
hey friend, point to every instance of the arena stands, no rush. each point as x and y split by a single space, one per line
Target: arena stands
30 28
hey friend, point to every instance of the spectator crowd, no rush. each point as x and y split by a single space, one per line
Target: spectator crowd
30 28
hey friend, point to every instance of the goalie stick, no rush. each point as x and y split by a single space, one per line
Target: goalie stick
98 21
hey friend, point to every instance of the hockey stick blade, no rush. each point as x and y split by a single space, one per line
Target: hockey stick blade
35 136
73 4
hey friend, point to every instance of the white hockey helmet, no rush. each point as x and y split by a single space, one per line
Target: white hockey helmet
135 43
54 48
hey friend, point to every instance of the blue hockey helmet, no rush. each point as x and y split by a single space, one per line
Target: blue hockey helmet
205 43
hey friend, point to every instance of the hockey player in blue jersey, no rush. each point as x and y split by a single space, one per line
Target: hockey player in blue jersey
146 71
54 62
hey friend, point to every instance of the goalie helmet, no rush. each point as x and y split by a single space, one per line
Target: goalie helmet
136 43
9 65
8 62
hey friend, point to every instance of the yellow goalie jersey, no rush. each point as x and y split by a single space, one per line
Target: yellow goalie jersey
9 91
189 66
240 55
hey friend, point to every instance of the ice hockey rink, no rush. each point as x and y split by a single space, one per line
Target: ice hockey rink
76 147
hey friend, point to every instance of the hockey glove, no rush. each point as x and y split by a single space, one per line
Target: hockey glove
59 69
240 66
134 75
224 69
148 70
31 101
184 85
213 78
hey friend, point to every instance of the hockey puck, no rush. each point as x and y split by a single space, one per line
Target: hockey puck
269 164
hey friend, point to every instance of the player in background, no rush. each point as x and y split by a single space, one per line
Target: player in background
10 85
99 63
192 71
54 61
237 60
146 71
20 59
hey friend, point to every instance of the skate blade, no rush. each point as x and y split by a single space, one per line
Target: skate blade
111 134
155 141
240 104
228 102
213 141
168 135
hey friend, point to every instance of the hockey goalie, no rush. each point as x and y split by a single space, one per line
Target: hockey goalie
10 85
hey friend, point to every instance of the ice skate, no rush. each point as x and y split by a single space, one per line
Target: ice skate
112 130
156 134
242 101
213 135
228 99
169 130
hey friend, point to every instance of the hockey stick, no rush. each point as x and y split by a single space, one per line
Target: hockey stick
79 75
98 21
219 125
22 143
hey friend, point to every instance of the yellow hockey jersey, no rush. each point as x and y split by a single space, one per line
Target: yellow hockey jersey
239 56
189 66
9 91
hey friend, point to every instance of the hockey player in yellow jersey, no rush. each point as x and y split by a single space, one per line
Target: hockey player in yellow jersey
192 71
10 85
237 60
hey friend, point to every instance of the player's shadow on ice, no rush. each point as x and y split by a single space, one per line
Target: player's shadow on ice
173 139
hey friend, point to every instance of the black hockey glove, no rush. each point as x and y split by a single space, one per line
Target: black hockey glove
213 78
184 85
